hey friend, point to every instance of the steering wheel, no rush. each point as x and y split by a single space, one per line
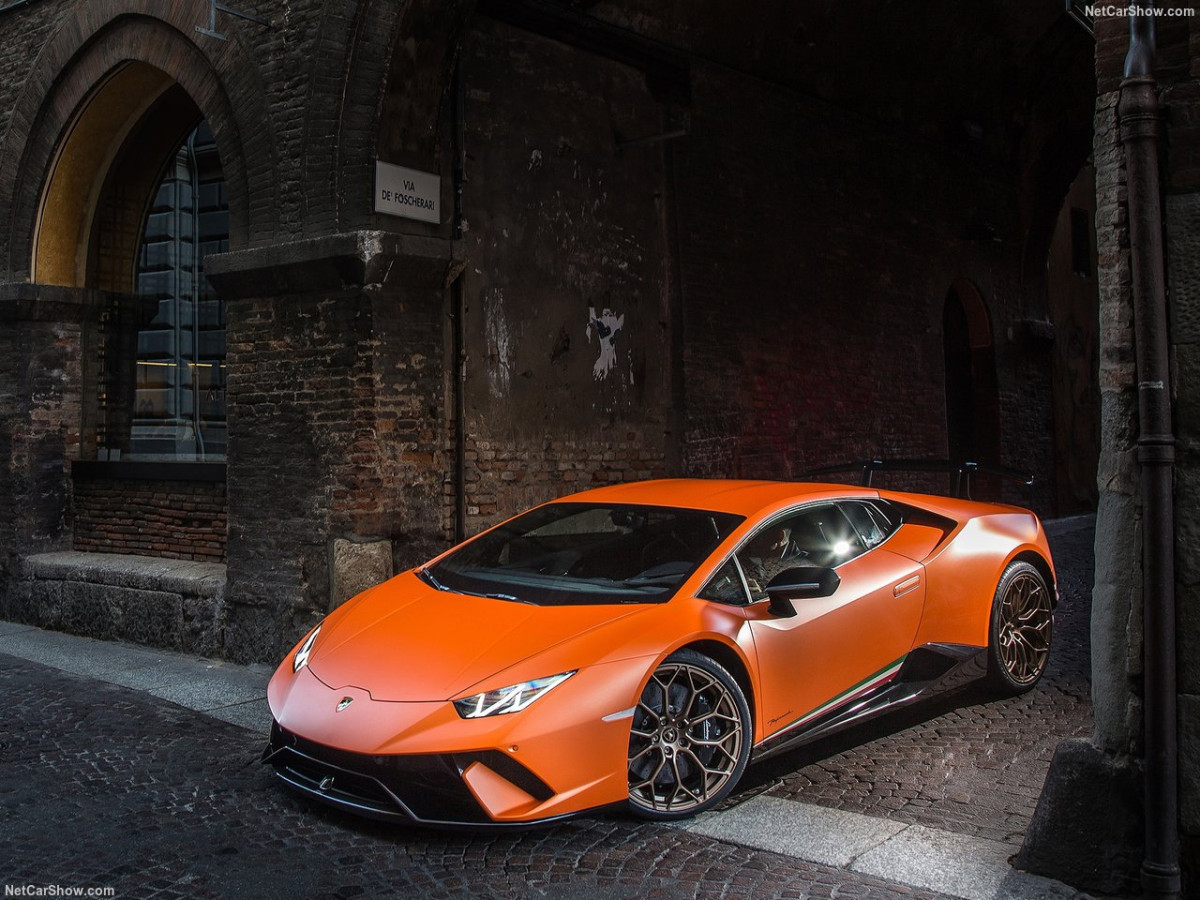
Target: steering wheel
663 549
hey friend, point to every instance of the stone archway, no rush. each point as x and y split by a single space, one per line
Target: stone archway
91 147
104 110
98 228
94 81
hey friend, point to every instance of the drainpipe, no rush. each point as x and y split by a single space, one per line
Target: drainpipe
1138 111
458 313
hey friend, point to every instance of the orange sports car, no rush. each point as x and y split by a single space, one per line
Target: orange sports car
639 645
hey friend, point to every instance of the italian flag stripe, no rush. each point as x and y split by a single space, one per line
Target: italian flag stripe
868 683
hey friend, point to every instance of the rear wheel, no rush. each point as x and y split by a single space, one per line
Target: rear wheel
690 738
1022 627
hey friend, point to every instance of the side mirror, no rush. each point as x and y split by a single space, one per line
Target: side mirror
799 584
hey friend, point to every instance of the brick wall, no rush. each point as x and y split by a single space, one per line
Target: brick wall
757 297
809 275
298 387
504 476
172 519
23 32
40 414
336 420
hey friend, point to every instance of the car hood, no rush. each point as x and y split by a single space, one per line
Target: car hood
405 641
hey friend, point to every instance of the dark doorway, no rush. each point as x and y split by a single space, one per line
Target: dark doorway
1072 299
972 404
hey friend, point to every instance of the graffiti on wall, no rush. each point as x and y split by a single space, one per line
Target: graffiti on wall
605 326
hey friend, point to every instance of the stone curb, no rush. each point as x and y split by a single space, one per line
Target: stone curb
958 865
223 690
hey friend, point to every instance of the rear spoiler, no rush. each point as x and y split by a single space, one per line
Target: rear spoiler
962 471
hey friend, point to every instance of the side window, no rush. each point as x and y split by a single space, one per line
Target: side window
815 536
726 586
872 525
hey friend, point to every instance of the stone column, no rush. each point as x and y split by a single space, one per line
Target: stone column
1087 829
1183 276
41 368
337 423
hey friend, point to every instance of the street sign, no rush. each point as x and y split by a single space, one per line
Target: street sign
408 193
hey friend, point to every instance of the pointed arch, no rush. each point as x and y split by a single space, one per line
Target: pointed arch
72 91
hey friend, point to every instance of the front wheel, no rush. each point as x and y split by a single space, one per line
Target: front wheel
690 738
1022 627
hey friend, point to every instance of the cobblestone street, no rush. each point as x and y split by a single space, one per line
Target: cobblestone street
968 763
103 786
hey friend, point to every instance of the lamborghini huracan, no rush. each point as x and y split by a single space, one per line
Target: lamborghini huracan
639 645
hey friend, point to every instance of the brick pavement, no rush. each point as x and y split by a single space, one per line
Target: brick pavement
968 763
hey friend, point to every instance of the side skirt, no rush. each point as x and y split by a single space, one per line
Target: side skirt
925 672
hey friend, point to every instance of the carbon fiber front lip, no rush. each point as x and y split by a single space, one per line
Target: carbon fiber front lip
284 760
436 795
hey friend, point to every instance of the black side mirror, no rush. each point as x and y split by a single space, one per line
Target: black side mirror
798 584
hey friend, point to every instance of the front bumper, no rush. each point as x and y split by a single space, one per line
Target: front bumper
419 762
424 789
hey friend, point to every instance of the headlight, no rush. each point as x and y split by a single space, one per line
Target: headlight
300 660
511 699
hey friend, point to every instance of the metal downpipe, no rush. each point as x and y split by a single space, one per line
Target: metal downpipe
1139 116
458 310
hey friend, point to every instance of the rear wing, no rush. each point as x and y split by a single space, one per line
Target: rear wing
961 470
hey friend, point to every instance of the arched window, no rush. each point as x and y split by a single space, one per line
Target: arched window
163 358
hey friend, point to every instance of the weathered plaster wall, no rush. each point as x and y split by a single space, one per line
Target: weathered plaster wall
567 340
1116 599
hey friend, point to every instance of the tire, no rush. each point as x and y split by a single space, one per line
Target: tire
689 740
1021 630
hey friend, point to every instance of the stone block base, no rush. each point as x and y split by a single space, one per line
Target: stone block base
356 566
174 604
1087 828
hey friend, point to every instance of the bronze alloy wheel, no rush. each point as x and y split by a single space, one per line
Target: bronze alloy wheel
1022 628
690 738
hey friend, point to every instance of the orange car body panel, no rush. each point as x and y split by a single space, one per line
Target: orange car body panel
402 651
404 622
835 642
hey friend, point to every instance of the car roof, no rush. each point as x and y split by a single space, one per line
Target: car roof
742 498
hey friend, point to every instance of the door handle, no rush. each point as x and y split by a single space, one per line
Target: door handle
907 586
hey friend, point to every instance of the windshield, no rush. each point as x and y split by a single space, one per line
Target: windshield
585 553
